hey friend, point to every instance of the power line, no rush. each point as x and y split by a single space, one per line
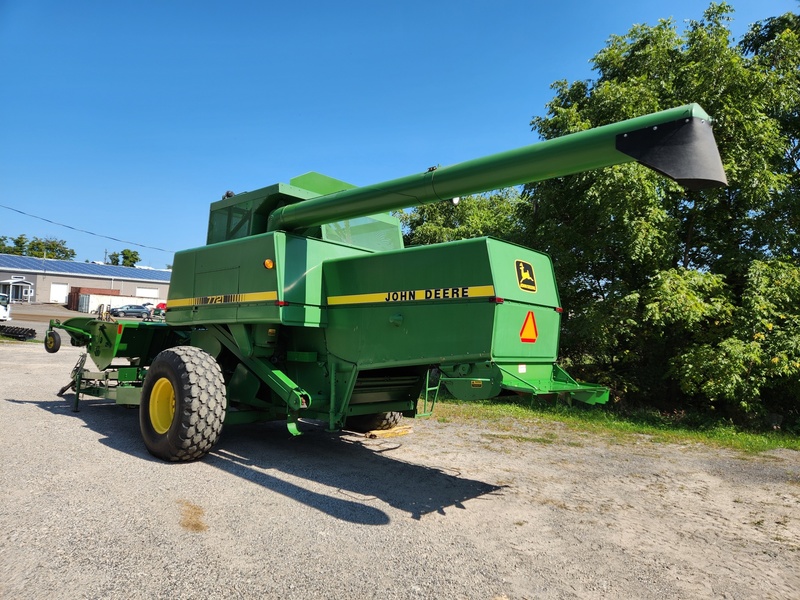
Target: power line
108 237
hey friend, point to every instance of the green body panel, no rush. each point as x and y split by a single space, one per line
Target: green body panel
207 282
526 282
467 314
440 303
228 282
410 307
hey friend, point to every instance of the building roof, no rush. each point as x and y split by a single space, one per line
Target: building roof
29 264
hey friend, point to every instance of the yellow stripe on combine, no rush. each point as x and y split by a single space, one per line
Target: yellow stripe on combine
445 293
223 299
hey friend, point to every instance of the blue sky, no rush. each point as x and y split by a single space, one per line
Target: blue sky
128 119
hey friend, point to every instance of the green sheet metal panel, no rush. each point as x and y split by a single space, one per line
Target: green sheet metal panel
313 183
434 303
522 274
427 304
527 323
181 287
267 278
406 334
301 262
228 282
516 338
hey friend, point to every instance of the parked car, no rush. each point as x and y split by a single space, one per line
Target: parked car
130 310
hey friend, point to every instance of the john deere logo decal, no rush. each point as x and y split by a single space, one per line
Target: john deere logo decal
525 277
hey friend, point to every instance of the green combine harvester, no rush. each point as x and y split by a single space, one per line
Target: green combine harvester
304 303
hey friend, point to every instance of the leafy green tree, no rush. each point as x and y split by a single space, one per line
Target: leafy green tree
130 258
773 45
21 244
742 352
491 214
38 247
50 248
17 245
660 285
126 258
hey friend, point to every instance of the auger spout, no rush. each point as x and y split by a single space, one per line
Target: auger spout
678 143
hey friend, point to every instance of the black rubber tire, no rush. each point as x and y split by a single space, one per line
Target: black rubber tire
378 421
120 314
52 342
195 381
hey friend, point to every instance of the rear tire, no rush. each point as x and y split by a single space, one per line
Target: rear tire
183 404
378 421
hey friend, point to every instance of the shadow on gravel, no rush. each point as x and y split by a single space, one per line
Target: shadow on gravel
360 471
118 424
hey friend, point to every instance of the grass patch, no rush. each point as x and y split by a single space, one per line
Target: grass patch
547 439
506 413
30 341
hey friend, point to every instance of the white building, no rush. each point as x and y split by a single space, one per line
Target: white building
28 279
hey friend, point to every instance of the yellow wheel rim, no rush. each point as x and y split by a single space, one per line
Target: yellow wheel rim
162 405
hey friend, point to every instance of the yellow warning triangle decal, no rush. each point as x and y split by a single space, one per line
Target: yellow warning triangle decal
529 333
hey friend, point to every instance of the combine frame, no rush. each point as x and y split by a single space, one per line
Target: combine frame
304 302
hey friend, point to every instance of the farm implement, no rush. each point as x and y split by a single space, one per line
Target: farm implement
305 304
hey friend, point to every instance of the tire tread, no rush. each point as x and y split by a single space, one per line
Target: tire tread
377 421
199 425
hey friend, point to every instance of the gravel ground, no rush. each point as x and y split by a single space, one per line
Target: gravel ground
448 511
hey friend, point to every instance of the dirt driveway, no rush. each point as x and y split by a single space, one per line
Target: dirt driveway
449 511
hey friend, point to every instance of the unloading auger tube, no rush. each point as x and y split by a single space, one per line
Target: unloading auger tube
677 143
